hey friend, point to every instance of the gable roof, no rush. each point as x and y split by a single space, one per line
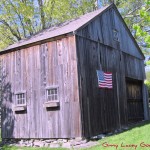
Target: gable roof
66 28
62 29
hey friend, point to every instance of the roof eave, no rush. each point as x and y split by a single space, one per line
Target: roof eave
37 43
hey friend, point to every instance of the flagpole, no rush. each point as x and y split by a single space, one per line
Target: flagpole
118 101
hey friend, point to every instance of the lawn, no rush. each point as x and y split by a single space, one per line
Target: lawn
27 148
136 138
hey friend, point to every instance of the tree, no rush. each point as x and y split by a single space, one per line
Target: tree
137 16
16 20
142 25
22 18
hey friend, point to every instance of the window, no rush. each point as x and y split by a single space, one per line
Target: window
20 102
20 99
52 94
52 99
115 35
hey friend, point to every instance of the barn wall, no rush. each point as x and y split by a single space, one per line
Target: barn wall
105 110
101 29
134 68
32 70
99 106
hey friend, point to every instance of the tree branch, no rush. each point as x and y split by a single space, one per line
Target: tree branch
51 11
22 24
11 30
8 37
130 14
40 2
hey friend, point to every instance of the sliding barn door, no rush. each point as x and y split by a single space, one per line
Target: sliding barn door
134 101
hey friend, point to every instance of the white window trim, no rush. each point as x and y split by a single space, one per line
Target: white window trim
25 99
49 88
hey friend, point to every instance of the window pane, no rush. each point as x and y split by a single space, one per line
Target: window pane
55 91
52 91
49 92
52 94
20 98
49 97
55 97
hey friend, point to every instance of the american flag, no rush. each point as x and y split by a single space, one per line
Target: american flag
104 79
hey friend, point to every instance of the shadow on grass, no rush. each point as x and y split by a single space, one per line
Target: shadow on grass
133 126
123 129
139 124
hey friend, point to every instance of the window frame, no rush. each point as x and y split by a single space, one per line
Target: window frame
51 88
116 37
16 99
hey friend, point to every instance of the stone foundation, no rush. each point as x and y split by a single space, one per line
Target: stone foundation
66 143
56 143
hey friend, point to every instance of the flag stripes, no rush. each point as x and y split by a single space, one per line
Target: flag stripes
104 79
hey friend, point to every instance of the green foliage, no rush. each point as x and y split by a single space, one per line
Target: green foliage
146 51
142 26
148 76
148 63
147 83
137 16
29 148
22 18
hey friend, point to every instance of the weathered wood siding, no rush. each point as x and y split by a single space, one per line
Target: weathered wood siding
32 70
134 100
134 68
104 110
101 29
71 63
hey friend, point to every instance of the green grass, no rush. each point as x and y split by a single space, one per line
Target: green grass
134 136
29 148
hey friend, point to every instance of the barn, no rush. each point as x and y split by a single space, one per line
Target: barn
49 82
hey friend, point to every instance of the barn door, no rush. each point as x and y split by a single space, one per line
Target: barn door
134 101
